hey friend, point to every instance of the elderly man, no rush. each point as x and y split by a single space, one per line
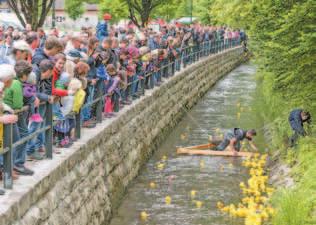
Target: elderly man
20 51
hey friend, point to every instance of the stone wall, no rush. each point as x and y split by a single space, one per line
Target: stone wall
86 183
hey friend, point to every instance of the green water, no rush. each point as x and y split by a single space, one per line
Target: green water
217 180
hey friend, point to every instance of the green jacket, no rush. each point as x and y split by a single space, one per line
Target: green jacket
13 96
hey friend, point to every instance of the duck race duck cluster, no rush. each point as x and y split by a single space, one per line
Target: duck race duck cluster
254 206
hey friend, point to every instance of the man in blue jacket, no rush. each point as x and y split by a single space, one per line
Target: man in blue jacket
297 119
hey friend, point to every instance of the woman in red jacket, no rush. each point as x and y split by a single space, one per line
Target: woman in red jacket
58 69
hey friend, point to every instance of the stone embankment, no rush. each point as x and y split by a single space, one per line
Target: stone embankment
85 184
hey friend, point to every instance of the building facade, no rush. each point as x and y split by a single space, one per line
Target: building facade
64 22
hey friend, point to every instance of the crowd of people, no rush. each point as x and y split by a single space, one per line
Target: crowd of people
70 71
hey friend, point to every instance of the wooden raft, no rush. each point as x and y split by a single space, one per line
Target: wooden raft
206 150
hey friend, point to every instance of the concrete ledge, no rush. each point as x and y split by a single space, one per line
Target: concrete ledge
85 184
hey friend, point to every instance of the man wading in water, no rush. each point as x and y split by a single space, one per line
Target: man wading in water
233 137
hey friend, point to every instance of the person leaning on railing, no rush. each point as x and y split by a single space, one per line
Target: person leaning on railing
7 74
13 97
36 146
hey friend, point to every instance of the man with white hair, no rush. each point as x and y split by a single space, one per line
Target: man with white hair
20 51
7 74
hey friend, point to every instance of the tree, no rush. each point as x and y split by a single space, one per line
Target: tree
74 8
140 10
33 12
202 10
167 11
117 8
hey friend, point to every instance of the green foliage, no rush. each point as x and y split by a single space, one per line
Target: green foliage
167 11
202 10
291 207
283 39
74 8
117 8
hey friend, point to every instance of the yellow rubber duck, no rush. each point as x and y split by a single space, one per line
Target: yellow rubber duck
160 166
220 205
143 216
152 185
168 200
198 204
202 164
238 115
193 193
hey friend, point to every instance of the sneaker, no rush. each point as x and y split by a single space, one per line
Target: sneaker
65 143
36 118
22 170
36 156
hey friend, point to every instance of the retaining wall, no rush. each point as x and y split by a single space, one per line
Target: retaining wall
85 184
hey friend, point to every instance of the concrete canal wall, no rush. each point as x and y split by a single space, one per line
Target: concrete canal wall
86 183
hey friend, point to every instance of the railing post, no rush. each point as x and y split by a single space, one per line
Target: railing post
8 157
49 132
99 110
78 125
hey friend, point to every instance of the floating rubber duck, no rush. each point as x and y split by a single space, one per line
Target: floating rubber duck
238 115
220 205
198 204
202 164
160 166
143 216
183 136
193 193
152 185
164 158
168 200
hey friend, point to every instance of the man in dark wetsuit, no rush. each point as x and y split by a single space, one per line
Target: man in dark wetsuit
297 119
233 137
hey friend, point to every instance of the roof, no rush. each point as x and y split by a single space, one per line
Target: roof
60 6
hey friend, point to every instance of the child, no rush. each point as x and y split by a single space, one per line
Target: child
61 109
112 92
29 97
58 69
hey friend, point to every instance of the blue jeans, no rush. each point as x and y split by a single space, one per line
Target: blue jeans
38 141
224 144
20 130
86 111
135 84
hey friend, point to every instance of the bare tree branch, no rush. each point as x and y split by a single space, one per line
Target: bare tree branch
34 11
143 9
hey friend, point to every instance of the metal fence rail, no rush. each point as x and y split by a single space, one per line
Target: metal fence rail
189 55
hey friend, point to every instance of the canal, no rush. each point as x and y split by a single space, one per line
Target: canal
195 183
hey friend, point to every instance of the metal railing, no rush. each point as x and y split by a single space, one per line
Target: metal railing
188 55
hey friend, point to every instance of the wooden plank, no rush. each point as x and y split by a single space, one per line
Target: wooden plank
205 146
212 152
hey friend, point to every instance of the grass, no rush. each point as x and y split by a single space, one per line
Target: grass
295 206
